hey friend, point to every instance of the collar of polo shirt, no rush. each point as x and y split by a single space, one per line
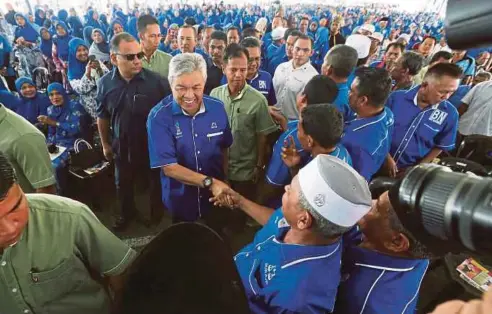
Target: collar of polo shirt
415 102
241 93
201 110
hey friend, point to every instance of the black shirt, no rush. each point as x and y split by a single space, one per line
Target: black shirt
214 76
127 105
337 39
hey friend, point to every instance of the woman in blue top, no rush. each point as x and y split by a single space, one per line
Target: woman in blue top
60 50
88 35
66 123
6 69
116 27
39 17
321 47
75 24
103 20
32 103
46 47
26 39
93 19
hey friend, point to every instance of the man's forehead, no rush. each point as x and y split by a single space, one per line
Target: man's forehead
129 47
217 42
303 43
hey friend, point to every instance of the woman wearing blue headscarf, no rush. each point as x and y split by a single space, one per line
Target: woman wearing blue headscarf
60 50
26 39
63 15
32 103
100 47
163 24
93 19
6 69
75 24
320 47
116 27
83 74
66 123
132 27
39 17
54 21
103 20
46 48
88 35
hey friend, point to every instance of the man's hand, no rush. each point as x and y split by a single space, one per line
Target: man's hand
46 120
278 117
108 152
391 166
290 156
233 199
218 190
483 306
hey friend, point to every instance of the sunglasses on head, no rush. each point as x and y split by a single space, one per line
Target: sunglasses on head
131 56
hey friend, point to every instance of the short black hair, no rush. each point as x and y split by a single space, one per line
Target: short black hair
304 37
190 21
320 90
431 37
235 51
219 35
304 18
251 42
396 45
292 32
7 176
186 26
118 38
145 20
233 28
342 59
324 123
444 69
375 84
441 55
249 32
413 62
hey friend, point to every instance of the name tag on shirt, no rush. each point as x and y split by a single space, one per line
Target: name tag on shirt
214 134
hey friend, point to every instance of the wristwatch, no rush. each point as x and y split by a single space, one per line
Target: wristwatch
207 182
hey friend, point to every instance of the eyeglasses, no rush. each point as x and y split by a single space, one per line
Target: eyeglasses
131 56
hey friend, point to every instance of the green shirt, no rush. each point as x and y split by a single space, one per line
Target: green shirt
248 117
158 63
25 147
47 270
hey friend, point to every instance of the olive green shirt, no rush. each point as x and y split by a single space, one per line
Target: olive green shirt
47 270
158 63
25 147
248 117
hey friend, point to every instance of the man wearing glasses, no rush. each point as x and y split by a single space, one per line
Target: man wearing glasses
125 97
150 36
291 77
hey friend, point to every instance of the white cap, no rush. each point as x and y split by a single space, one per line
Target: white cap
406 37
368 27
360 43
335 190
378 36
278 33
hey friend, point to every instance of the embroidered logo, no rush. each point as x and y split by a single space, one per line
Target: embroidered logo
214 125
319 200
282 223
262 85
438 116
270 272
178 130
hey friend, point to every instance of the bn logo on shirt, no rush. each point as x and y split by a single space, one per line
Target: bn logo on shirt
262 85
438 116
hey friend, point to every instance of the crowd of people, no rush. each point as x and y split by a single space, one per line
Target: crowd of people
229 116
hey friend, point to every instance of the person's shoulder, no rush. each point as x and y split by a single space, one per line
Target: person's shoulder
163 54
264 75
213 102
162 109
449 108
50 205
217 92
18 126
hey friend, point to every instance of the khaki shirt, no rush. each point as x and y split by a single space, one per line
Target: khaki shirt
25 147
158 63
248 116
47 270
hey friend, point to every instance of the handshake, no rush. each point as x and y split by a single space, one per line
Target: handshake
224 195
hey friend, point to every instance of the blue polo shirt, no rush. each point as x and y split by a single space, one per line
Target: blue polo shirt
192 142
278 173
286 278
379 284
417 131
368 142
457 96
263 83
342 101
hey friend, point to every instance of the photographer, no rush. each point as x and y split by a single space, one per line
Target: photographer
83 72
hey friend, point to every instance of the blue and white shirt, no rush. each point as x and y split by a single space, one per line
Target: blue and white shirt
417 131
263 83
368 142
193 142
286 278
375 283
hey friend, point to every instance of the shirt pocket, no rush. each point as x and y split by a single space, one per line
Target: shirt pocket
246 131
52 286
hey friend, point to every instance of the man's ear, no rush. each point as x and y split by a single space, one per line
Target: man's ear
304 220
399 243
113 59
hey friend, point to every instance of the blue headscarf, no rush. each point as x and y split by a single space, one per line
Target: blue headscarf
88 35
161 19
37 17
321 46
104 46
120 15
26 31
63 15
76 25
132 27
46 44
91 21
58 112
103 20
30 108
76 68
61 43
54 21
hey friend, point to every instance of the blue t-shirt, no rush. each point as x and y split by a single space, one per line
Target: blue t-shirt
368 142
263 83
192 142
417 131
457 96
379 284
287 278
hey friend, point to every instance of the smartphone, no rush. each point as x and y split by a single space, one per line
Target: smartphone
92 58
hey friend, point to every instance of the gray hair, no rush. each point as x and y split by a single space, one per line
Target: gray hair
118 38
342 59
484 74
186 63
413 62
322 226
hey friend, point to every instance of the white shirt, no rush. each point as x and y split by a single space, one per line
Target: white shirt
288 82
478 118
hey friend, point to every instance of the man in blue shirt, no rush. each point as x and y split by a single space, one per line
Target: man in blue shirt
462 90
277 172
425 122
368 136
466 63
187 41
339 63
385 271
293 263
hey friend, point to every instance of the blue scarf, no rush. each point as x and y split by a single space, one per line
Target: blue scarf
63 15
76 68
26 31
61 43
37 17
103 46
59 113
132 27
88 35
91 21
103 20
46 44
30 108
76 26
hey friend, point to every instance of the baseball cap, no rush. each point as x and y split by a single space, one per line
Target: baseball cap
360 43
278 33
342 202
368 27
378 36
406 37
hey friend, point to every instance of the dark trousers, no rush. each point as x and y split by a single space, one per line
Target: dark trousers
132 181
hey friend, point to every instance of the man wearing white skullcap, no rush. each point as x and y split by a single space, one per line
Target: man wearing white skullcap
293 264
